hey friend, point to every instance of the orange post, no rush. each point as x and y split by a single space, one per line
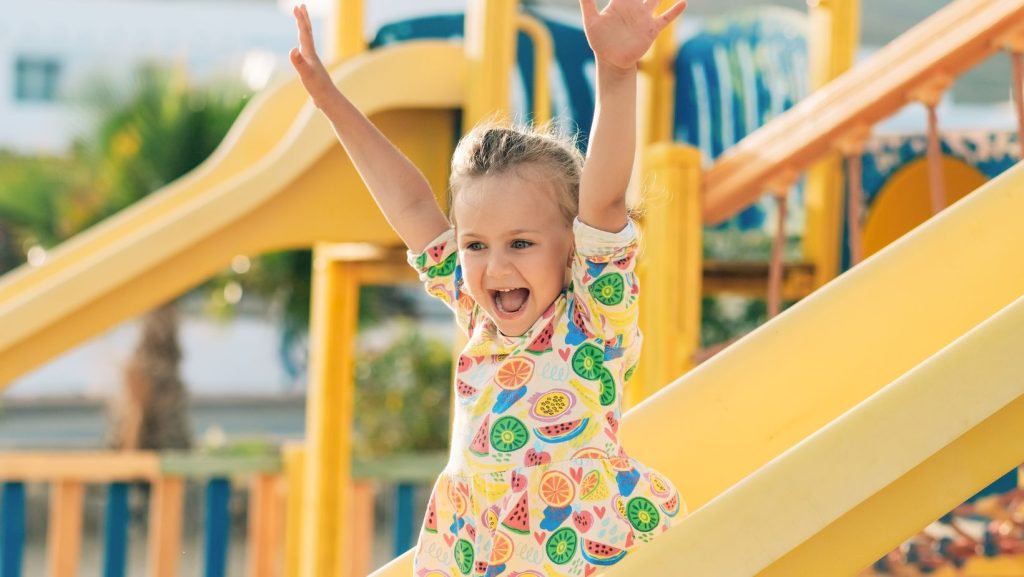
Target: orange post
362 523
852 147
165 524
295 471
64 539
778 256
1018 96
264 543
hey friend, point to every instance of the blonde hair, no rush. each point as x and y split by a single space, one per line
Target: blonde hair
491 149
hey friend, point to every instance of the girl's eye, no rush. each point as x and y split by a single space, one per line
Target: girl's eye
475 246
521 244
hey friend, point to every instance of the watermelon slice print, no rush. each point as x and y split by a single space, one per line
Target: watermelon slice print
542 344
437 251
600 553
479 445
518 519
430 522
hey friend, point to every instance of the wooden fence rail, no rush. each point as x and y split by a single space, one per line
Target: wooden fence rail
271 548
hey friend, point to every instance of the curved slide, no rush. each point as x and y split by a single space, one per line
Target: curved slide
826 437
279 180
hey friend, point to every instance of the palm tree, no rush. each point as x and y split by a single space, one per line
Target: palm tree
156 134
164 130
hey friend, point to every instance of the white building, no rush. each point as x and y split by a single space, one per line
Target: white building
54 53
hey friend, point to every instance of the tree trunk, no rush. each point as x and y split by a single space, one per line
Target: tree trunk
8 257
152 413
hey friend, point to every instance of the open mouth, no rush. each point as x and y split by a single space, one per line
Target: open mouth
510 302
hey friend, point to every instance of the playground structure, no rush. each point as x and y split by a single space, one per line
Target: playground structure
785 434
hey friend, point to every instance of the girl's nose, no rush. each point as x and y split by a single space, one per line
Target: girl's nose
498 265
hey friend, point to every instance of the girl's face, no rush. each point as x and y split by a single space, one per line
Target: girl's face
514 246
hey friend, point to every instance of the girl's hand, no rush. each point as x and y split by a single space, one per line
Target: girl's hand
311 71
622 33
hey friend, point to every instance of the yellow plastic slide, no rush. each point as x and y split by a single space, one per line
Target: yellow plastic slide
279 180
863 413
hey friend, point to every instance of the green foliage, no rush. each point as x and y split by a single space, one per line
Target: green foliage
380 302
37 195
144 140
29 204
732 243
726 318
240 447
164 129
402 396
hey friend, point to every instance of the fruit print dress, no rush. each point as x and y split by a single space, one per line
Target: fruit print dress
537 483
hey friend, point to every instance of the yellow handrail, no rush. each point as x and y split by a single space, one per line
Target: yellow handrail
543 54
952 41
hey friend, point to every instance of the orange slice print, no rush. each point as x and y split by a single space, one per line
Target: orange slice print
501 550
457 499
514 373
556 489
590 453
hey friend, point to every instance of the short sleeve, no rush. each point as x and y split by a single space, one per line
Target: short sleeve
441 274
605 285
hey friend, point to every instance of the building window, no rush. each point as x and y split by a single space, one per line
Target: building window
36 79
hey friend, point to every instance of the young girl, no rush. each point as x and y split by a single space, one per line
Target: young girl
537 262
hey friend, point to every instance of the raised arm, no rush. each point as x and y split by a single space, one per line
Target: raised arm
619 35
399 188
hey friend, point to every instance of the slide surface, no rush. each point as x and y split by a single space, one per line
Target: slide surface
279 180
851 421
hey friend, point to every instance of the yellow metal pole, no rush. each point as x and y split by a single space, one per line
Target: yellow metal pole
491 27
346 31
544 53
657 101
327 500
832 47
670 269
666 170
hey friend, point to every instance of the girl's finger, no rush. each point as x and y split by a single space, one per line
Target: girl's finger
309 28
589 8
305 31
296 57
672 13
